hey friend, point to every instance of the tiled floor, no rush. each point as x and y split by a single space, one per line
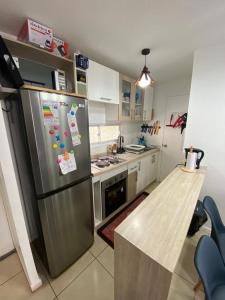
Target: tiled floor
91 277
152 186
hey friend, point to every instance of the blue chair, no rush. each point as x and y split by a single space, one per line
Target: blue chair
218 229
211 268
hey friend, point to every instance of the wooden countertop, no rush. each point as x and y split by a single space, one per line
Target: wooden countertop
128 158
159 225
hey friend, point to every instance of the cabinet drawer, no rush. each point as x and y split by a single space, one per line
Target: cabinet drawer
133 167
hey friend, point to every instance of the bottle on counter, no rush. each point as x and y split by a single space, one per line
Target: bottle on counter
114 149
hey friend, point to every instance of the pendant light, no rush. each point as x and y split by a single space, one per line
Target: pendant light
145 78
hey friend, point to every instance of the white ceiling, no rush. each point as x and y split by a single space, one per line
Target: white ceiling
114 32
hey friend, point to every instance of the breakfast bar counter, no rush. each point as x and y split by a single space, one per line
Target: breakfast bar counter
149 241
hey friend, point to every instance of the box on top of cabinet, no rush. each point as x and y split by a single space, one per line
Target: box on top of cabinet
36 33
60 47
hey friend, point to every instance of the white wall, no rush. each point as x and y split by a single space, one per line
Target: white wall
206 121
6 244
10 189
96 112
162 92
100 113
130 131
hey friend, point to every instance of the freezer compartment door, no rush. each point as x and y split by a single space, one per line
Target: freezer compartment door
68 226
49 120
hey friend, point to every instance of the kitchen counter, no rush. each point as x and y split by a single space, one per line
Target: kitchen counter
149 241
128 158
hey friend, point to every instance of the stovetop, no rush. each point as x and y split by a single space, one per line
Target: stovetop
106 161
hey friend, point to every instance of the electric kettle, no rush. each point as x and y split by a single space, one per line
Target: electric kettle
200 155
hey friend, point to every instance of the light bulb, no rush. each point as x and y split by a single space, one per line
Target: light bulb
145 80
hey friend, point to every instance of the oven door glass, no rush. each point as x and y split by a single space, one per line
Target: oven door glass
115 196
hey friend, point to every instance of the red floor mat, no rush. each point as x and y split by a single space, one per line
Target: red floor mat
107 230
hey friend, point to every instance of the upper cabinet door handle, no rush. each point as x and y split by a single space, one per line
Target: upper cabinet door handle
164 145
104 98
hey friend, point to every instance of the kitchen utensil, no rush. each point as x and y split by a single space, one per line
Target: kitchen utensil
135 148
191 160
200 155
59 80
82 61
120 144
114 148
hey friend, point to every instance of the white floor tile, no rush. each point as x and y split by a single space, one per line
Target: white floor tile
94 283
181 289
17 288
9 267
185 266
61 282
106 258
195 239
151 187
98 246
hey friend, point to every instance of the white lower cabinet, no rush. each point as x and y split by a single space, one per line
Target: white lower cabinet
153 167
132 181
141 173
139 178
147 171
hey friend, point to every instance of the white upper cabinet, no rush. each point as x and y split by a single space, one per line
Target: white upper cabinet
103 83
148 103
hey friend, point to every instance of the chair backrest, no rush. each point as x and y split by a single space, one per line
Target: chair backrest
212 210
209 265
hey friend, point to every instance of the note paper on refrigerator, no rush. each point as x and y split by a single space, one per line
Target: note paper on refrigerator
50 111
72 122
67 163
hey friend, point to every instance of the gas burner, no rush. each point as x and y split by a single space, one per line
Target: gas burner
114 160
103 158
93 161
106 161
102 163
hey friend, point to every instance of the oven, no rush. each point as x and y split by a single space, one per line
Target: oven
114 193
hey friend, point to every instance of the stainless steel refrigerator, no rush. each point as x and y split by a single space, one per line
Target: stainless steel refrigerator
50 136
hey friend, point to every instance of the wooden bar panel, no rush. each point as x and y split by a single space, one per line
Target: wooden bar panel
149 241
136 275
